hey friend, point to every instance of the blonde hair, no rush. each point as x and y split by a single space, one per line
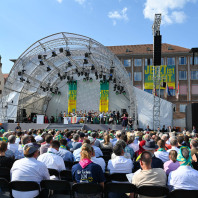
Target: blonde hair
86 151
106 139
173 155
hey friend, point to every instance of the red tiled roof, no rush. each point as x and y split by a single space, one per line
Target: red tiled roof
145 49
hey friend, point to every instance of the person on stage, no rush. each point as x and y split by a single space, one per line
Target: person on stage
124 121
130 123
46 119
18 127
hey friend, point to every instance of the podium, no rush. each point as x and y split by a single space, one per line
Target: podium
65 120
40 119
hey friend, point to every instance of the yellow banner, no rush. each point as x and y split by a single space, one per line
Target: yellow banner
72 97
104 97
167 74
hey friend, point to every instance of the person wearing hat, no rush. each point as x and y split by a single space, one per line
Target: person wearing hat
86 171
29 169
148 176
184 177
156 162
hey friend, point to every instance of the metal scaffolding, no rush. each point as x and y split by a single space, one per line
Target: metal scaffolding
156 77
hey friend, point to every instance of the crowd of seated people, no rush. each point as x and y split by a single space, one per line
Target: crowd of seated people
156 158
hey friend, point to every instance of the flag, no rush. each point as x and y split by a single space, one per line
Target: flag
177 94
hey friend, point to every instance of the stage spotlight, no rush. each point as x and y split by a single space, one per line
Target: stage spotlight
59 75
19 73
91 80
115 86
54 54
117 92
87 78
86 74
81 73
84 79
39 56
68 53
23 71
22 79
68 77
51 89
61 78
61 50
96 77
92 67
47 88
69 64
114 89
124 93
72 78
110 78
96 73
41 63
41 87
121 88
44 89
59 93
27 81
64 77
111 70
118 87
48 69
114 80
100 75
78 74
85 61
86 55
104 77
76 70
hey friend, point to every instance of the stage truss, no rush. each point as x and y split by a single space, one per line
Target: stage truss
29 94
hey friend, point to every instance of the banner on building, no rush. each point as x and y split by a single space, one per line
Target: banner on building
167 74
72 96
104 96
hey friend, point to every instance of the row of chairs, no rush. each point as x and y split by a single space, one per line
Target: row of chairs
60 188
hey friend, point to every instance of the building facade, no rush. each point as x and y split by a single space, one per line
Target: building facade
181 89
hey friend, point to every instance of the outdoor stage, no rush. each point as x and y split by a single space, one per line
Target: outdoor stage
27 126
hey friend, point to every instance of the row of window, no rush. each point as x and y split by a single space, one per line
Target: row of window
182 75
162 92
170 61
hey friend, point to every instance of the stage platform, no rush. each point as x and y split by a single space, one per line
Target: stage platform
59 126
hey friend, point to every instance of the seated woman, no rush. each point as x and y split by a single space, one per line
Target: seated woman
86 171
106 144
172 164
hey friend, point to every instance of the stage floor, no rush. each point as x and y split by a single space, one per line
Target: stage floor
28 126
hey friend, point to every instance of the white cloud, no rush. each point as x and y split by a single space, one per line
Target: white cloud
171 10
81 2
59 1
116 15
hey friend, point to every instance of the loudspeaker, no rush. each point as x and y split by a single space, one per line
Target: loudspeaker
191 116
23 113
157 50
10 121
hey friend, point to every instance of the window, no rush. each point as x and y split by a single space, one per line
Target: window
170 61
138 62
194 89
183 89
182 75
182 60
194 75
182 108
129 74
195 60
162 61
127 63
148 61
137 76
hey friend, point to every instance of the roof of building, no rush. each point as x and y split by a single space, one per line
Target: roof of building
146 49
5 75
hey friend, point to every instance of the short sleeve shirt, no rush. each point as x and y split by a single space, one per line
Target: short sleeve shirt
90 174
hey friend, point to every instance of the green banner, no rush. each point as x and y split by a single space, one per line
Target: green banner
167 74
72 96
104 96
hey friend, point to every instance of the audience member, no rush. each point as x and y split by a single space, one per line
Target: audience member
48 141
75 144
100 161
161 153
106 144
174 144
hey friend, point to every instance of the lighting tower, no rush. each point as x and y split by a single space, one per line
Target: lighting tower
156 70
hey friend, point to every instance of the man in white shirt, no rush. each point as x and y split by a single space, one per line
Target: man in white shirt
119 164
174 144
161 153
38 138
29 169
51 159
184 177
11 143
100 161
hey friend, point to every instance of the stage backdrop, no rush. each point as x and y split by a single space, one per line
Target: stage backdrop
104 96
167 75
72 96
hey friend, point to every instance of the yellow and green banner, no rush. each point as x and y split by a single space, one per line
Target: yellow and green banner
72 96
167 74
104 96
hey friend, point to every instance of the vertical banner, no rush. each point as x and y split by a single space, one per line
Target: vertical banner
104 96
72 96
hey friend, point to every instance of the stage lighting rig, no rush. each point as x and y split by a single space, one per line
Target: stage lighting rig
22 79
19 73
100 75
69 64
68 53
85 61
39 56
48 69
59 75
92 67
41 62
78 74
54 54
27 81
111 70
61 50
114 80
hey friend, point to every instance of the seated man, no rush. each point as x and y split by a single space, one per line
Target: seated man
29 169
51 159
161 153
11 143
148 176
119 164
44 147
63 152
75 144
184 177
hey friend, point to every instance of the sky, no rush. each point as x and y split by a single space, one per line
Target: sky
110 22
